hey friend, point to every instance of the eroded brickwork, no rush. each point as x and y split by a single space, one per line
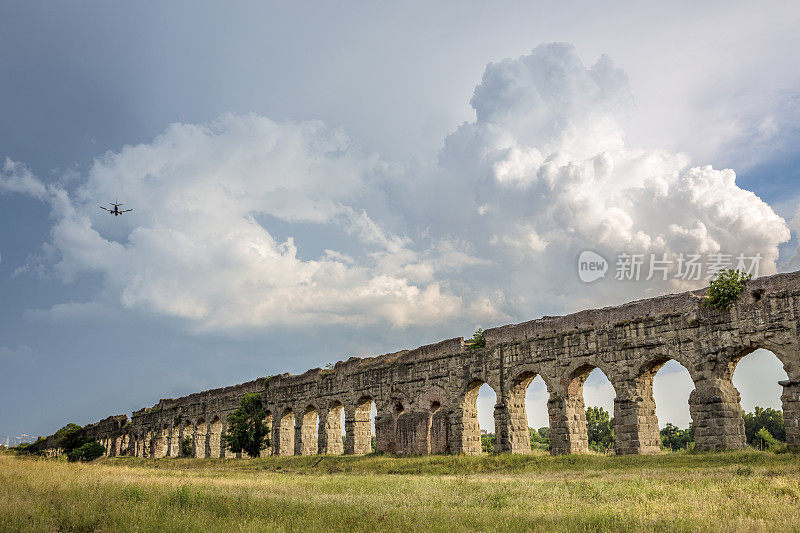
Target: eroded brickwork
425 398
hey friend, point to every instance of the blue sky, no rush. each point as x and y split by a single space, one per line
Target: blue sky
312 182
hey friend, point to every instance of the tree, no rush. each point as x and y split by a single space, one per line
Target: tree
725 289
247 430
540 439
600 429
765 441
88 451
70 437
487 442
674 438
769 419
477 341
187 446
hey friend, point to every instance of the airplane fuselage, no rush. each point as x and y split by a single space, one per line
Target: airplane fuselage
116 212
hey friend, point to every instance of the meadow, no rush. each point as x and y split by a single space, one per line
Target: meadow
732 491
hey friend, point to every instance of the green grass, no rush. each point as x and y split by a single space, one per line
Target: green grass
744 491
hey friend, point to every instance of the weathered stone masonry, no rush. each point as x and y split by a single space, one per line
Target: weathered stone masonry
426 397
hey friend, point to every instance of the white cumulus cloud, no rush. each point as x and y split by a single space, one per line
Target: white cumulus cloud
550 175
194 247
488 233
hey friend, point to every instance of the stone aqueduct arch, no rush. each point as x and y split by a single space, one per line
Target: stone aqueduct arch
425 398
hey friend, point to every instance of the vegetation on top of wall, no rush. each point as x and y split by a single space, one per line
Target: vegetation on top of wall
725 289
477 341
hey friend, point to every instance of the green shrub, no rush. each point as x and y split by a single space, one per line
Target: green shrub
725 289
86 452
477 340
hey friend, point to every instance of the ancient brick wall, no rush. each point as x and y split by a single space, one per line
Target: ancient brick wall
425 398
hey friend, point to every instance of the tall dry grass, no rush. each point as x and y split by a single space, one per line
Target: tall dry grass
745 491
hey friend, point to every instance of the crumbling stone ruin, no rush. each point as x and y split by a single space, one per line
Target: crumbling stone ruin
426 397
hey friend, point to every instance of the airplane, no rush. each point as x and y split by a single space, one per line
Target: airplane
116 212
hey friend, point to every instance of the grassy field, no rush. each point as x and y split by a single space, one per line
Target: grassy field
739 491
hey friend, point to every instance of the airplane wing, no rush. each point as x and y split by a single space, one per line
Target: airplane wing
126 210
109 210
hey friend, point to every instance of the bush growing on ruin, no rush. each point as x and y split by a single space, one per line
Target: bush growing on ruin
725 289
477 340
86 452
247 429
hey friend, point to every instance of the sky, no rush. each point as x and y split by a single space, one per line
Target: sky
312 181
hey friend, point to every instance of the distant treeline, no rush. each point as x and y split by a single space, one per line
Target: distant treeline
763 428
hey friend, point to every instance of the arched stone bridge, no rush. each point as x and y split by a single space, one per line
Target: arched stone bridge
426 397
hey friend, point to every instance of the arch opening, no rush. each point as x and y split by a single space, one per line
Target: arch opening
756 377
331 430
161 442
215 439
187 439
309 431
174 440
669 384
515 433
536 415
267 446
485 404
588 413
478 419
149 444
284 434
201 439
361 427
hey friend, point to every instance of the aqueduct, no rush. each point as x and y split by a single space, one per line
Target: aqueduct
426 397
